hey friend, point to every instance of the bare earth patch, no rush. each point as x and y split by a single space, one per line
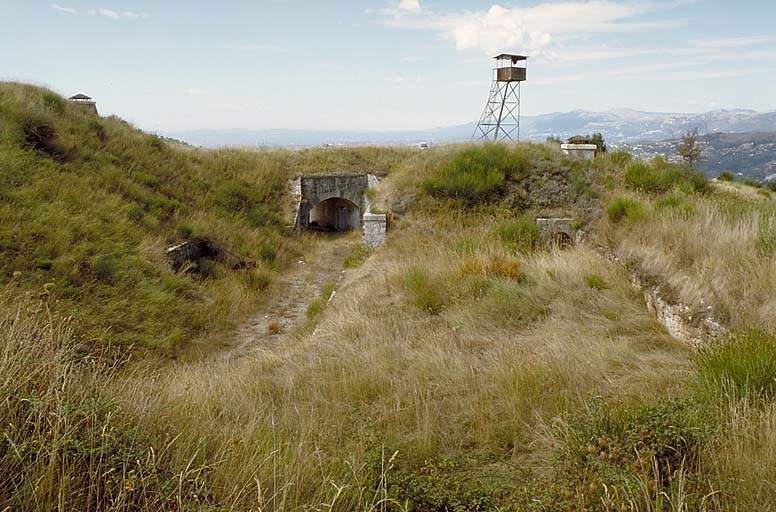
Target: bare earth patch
293 292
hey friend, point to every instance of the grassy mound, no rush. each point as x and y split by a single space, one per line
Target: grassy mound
89 205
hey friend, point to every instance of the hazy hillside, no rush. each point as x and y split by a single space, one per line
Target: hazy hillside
752 154
618 125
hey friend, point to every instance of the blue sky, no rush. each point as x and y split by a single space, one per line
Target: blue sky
386 64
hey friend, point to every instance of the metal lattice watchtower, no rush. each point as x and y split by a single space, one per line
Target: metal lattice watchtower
501 118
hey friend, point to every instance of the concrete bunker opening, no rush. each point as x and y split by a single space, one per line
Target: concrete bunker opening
335 214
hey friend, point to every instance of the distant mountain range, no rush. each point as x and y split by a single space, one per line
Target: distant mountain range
617 126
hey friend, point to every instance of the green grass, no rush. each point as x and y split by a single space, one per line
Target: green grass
478 173
519 234
623 208
458 370
103 202
659 176
356 257
745 361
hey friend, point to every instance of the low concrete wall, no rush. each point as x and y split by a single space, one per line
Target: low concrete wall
692 327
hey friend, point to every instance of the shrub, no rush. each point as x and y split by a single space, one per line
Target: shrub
771 184
596 282
726 176
621 208
649 178
625 447
659 176
745 360
620 157
425 292
676 201
520 234
751 182
474 175
39 133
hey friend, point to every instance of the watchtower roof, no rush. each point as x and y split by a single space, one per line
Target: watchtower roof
510 56
80 96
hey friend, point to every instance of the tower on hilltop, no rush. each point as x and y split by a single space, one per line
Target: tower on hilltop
501 118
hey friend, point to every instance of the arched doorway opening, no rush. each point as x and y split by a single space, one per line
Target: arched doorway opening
335 214
563 240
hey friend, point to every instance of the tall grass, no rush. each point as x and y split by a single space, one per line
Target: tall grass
88 206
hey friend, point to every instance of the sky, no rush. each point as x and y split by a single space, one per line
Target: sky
173 65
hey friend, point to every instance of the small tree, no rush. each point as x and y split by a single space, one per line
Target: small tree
598 139
690 148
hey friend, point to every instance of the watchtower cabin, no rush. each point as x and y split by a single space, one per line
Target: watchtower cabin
511 68
84 101
500 120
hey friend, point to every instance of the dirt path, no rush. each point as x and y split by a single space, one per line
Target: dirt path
293 292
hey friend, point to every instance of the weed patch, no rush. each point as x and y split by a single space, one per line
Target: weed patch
746 360
520 234
426 293
622 208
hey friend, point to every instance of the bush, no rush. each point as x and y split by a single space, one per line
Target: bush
596 282
726 176
751 182
745 360
621 208
38 132
520 234
477 174
660 176
424 290
624 447
771 184
620 157
675 201
647 178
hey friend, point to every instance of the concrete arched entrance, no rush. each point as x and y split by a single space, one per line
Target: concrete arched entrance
335 214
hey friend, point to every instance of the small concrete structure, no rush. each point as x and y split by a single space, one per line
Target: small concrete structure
375 226
333 203
579 151
338 203
558 230
84 101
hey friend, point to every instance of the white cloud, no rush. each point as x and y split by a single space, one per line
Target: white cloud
114 15
63 10
527 29
409 5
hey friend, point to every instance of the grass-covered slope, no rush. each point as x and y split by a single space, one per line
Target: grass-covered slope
463 366
88 206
